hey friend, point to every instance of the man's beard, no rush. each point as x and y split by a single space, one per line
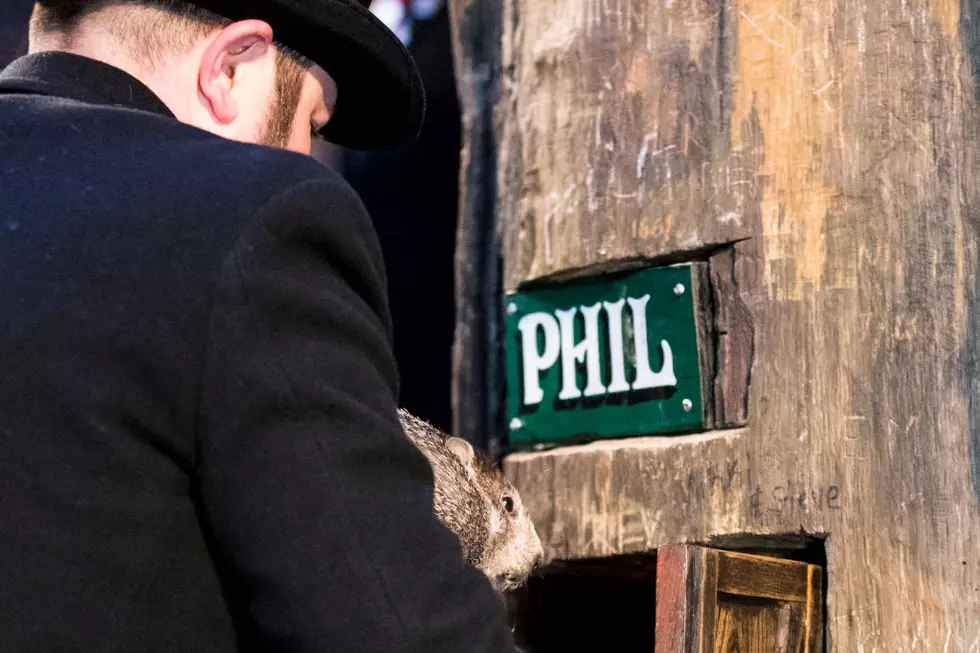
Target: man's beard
282 113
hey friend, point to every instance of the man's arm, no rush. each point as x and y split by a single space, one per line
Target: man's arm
319 509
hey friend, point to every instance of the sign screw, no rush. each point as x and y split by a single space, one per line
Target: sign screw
511 308
516 424
679 289
687 404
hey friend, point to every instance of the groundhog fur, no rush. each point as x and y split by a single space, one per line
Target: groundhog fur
479 505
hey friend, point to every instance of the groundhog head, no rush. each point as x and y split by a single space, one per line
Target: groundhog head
509 548
479 505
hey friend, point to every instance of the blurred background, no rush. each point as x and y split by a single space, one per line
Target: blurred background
411 194
13 28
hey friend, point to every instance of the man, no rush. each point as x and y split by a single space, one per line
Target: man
199 449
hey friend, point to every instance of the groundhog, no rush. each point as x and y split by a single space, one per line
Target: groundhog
479 505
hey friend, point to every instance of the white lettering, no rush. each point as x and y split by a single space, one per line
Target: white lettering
617 381
586 351
645 377
535 361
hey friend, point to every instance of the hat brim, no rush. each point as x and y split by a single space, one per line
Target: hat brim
380 100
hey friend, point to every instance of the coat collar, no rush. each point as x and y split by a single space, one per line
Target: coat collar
79 78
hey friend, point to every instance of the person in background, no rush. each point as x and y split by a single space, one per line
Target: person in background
199 443
412 195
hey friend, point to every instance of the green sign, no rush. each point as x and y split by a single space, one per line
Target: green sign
608 357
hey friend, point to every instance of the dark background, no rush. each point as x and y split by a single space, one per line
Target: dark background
412 196
14 15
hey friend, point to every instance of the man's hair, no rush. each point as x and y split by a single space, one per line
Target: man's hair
170 27
151 30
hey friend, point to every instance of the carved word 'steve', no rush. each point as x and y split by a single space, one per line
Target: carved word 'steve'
606 357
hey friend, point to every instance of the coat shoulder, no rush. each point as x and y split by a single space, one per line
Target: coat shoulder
246 168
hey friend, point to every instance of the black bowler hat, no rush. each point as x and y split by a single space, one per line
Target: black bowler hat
380 101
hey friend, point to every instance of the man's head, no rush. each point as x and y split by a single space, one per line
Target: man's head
229 78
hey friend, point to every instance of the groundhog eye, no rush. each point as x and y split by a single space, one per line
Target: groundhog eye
508 504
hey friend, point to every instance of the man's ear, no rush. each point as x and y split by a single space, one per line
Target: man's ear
462 450
235 45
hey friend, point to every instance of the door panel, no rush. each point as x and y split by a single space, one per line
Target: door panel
711 601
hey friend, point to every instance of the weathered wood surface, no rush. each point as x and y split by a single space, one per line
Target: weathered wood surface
837 142
759 576
711 601
478 394
680 600
734 342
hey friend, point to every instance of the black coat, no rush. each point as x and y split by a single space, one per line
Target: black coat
199 449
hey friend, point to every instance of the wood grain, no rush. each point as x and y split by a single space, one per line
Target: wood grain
748 575
678 595
813 611
704 311
706 562
757 627
477 387
833 146
734 342
711 601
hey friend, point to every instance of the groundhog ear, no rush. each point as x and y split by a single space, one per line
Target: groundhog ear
462 450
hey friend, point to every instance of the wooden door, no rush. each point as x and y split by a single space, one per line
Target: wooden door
711 601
